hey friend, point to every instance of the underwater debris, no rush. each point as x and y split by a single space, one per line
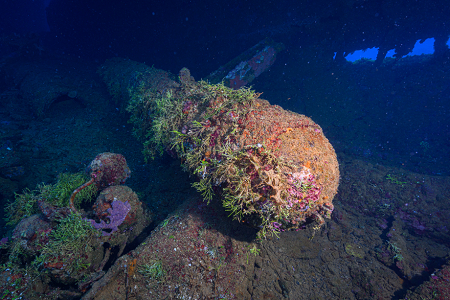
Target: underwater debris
106 169
53 244
244 68
273 169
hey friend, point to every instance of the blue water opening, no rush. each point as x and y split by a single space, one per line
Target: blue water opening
422 48
371 53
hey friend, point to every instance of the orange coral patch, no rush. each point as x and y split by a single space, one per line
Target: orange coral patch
132 267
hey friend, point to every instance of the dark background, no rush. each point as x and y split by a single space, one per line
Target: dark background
202 35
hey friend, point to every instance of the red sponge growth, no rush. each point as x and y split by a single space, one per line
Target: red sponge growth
108 169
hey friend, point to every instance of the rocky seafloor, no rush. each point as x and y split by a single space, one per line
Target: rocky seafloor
388 237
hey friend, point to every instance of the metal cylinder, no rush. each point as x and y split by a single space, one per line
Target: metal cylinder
271 168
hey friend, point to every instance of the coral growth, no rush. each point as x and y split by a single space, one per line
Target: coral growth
109 169
274 169
116 215
54 195
55 245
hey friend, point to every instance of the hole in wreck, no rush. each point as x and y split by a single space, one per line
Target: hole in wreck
64 104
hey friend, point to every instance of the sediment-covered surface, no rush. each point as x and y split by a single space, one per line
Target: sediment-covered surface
387 237
373 253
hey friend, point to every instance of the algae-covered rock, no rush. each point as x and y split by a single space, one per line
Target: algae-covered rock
354 250
66 248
